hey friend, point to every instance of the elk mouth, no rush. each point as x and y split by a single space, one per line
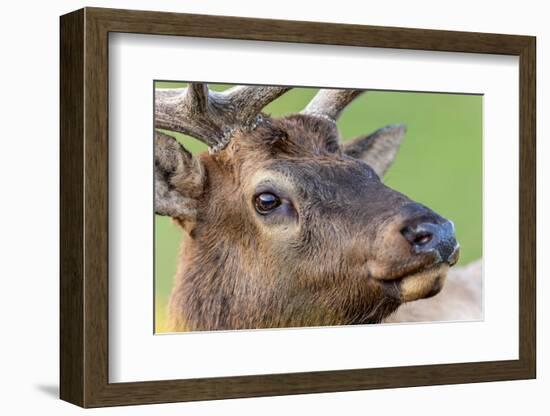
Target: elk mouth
422 283
433 250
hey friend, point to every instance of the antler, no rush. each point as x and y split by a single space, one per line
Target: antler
378 149
330 103
211 116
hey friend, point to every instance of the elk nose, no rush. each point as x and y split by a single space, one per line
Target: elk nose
425 237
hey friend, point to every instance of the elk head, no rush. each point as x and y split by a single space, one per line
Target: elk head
287 226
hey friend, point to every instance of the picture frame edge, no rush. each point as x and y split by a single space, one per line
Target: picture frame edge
84 212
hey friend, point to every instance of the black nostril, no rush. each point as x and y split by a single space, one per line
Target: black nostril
417 236
422 238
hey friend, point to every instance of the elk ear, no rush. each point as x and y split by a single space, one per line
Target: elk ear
378 149
179 179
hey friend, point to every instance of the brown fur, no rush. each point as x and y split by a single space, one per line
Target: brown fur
332 256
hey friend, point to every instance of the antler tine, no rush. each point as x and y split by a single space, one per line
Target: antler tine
330 103
211 116
191 111
251 100
197 97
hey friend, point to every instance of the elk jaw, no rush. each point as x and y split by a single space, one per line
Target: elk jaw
424 284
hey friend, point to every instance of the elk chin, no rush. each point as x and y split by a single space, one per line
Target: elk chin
424 284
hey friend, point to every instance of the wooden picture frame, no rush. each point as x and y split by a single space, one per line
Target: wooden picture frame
84 207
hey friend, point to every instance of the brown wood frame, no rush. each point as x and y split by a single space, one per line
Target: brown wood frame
84 208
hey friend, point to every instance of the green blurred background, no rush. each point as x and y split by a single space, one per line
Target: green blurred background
439 163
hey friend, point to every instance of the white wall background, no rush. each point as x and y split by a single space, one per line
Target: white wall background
29 214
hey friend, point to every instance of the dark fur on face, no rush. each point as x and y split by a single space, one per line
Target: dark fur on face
329 254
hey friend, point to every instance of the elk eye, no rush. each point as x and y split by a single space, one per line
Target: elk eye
266 202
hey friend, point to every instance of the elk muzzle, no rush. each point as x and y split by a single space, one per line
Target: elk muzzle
422 247
439 238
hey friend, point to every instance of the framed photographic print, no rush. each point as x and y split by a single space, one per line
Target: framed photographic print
256 207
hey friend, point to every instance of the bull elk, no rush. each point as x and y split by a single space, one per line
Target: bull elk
286 225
